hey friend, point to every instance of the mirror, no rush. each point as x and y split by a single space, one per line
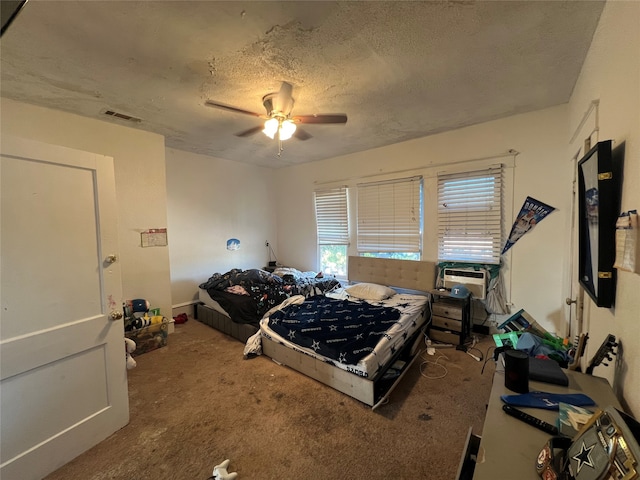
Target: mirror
598 211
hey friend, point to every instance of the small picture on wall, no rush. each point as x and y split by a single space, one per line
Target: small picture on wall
233 244
154 237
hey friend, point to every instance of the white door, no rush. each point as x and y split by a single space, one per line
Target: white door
63 380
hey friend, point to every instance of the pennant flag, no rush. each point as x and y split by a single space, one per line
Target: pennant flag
531 213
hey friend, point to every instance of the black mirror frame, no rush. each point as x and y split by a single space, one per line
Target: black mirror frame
597 214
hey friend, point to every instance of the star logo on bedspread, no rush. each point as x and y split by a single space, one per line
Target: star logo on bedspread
315 345
343 358
403 305
359 336
333 328
274 321
291 335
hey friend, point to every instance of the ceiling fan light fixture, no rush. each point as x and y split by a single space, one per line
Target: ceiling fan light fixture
271 127
278 118
287 129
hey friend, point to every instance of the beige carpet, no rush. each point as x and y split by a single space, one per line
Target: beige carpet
196 402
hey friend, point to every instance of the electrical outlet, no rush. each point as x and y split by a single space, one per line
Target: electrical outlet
266 243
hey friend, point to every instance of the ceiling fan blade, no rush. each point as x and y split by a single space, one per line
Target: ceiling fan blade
321 118
249 132
301 134
229 108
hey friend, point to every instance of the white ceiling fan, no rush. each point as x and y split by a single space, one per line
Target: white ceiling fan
279 123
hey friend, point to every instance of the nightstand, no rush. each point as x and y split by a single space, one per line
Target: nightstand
451 318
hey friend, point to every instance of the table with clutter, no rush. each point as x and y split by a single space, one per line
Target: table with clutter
584 445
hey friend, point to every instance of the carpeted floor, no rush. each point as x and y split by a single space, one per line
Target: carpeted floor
196 402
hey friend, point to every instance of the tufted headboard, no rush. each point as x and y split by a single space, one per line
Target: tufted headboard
413 275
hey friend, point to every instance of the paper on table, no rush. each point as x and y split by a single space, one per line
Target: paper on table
572 418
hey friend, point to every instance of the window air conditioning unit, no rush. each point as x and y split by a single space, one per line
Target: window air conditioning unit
474 280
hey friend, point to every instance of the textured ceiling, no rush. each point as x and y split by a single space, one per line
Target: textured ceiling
399 70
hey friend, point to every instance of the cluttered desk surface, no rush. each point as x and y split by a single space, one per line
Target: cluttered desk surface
509 447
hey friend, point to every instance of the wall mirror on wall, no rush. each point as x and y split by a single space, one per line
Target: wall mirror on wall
598 199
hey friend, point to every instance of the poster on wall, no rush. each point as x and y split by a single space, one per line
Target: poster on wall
154 237
531 213
233 244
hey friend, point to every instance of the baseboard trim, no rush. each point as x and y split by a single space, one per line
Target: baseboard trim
184 304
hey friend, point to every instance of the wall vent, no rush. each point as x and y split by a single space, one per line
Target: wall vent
122 116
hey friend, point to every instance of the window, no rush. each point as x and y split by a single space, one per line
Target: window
470 216
332 221
390 218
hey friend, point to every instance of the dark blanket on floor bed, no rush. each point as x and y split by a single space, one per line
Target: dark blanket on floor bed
246 295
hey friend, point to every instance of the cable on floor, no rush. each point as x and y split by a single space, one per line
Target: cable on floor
487 358
426 362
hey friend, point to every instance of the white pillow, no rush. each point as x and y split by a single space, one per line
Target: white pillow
370 291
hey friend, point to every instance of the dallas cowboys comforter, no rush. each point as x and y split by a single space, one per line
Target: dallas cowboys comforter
356 335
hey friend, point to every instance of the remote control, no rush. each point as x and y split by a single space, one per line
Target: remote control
531 420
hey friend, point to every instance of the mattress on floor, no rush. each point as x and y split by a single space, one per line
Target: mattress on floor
212 314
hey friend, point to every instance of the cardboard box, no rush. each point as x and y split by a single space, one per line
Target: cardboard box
149 338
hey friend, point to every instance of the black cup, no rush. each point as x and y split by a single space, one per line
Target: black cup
516 371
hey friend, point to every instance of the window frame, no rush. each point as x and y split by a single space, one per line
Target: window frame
331 207
470 215
390 218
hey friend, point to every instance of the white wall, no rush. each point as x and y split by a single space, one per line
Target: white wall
139 167
611 75
542 170
210 201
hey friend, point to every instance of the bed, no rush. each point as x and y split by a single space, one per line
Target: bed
372 378
235 301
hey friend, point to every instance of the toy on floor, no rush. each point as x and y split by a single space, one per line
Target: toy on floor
220 472
145 321
136 314
182 318
130 347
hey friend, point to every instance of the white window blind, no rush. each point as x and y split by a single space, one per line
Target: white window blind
470 216
390 216
332 216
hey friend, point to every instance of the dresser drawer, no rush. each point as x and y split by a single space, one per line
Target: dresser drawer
446 323
443 309
445 337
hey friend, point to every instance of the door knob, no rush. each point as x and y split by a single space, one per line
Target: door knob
111 259
115 315
569 301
